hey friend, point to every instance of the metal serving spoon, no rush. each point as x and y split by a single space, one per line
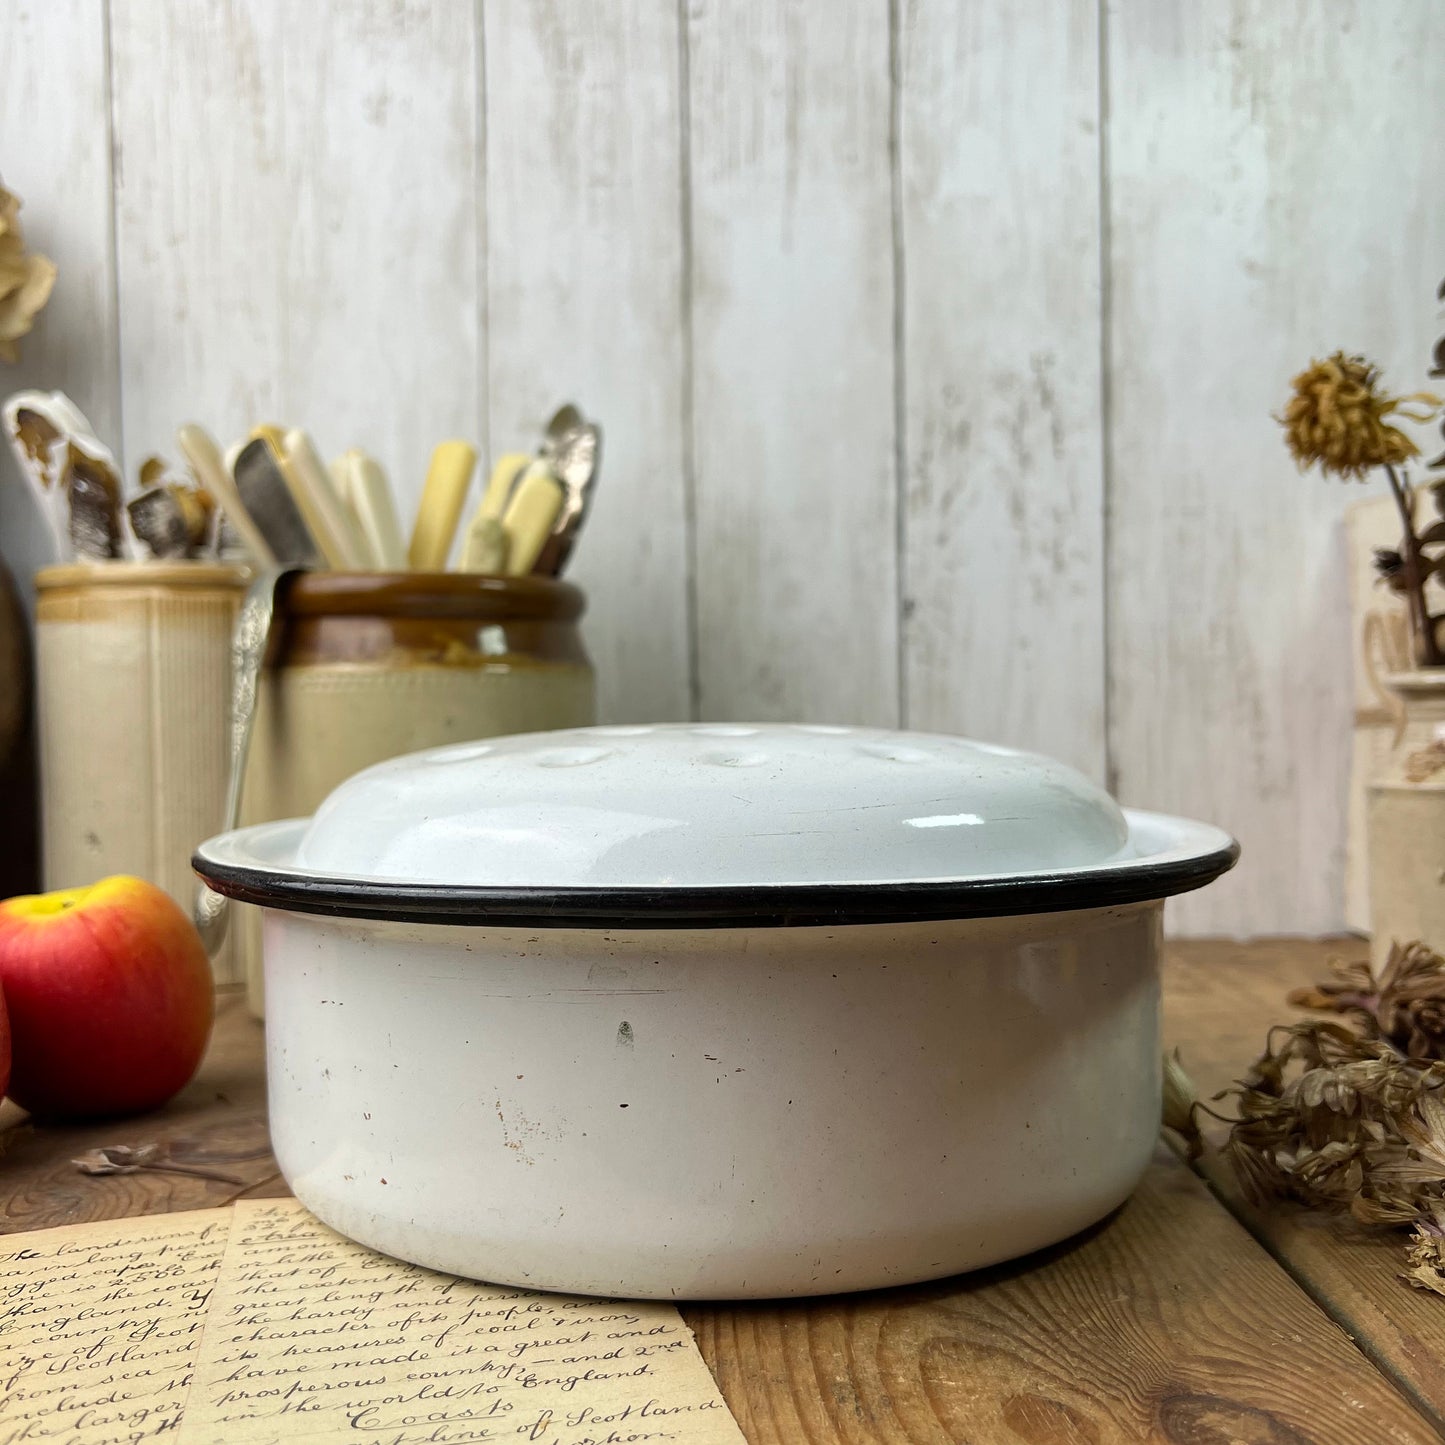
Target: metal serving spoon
565 419
212 912
574 461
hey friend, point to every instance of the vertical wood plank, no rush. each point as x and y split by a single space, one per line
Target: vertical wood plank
1271 197
55 154
584 295
1004 622
793 399
297 216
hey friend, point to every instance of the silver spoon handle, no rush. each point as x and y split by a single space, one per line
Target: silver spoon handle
248 650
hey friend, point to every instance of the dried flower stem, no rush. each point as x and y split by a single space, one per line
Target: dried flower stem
1427 645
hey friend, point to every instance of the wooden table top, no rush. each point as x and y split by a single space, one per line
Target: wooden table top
1184 1317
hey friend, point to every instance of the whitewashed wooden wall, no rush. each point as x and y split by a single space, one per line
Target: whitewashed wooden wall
935 340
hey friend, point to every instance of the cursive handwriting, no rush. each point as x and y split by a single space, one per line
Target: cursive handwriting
100 1327
313 1338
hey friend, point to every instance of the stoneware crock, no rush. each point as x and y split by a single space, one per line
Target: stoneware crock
714 1011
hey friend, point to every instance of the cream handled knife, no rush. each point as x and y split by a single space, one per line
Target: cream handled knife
256 465
505 476
315 496
530 516
204 456
484 548
370 496
447 480
339 472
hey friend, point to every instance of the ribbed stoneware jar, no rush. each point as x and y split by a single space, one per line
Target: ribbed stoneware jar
133 673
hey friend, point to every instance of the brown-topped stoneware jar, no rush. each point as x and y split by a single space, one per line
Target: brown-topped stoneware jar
365 666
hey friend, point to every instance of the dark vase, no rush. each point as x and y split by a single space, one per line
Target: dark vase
19 828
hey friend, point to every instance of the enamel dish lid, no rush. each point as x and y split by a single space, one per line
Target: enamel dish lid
710 825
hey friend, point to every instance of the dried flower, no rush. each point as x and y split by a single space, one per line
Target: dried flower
1348 1115
1390 565
1426 1254
1338 417
26 279
1336 1120
1404 1005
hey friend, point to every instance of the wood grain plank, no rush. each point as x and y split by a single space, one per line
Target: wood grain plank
1219 1001
55 129
1167 1323
584 302
793 371
1004 570
297 224
1257 163
218 1122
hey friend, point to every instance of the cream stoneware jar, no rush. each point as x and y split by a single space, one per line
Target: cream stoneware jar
714 1011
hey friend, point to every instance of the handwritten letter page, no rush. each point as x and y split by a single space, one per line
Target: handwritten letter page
313 1338
100 1326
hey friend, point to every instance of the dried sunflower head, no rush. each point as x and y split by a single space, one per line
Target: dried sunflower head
1339 417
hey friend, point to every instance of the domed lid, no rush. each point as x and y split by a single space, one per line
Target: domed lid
712 823
709 805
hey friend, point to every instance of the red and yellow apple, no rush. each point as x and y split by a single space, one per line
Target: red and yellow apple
109 995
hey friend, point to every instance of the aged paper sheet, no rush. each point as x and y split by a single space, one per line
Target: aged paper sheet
258 1324
100 1324
313 1338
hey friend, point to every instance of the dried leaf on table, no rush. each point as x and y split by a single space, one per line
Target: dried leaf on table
141 1158
116 1159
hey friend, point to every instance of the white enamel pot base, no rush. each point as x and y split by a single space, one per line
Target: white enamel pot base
722 1114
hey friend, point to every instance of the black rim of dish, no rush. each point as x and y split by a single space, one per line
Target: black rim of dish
752 906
